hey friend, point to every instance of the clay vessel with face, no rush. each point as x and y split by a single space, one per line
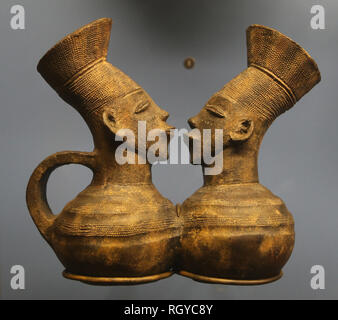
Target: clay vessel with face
235 230
128 111
120 229
220 113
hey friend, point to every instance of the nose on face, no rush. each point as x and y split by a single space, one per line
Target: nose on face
192 123
164 115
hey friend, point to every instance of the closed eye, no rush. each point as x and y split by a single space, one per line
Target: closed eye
142 107
215 111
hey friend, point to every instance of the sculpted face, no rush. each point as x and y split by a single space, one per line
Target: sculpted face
126 112
221 113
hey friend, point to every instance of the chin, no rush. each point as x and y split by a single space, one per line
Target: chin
156 154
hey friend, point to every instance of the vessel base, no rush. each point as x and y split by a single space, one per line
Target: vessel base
110 281
237 282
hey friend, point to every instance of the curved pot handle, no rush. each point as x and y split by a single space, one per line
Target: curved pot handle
36 189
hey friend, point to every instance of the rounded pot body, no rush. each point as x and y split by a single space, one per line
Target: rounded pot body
239 234
117 231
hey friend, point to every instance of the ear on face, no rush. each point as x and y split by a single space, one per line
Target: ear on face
242 130
109 120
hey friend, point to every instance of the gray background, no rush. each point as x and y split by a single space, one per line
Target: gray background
149 41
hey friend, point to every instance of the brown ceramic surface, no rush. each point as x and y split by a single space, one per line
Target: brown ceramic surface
235 230
120 229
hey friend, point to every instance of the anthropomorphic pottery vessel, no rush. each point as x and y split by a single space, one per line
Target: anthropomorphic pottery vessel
120 229
235 230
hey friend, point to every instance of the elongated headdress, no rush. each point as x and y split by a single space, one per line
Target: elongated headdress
279 73
77 69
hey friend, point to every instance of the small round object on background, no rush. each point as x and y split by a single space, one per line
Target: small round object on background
189 63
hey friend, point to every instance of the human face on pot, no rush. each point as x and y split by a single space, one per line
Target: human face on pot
133 110
224 121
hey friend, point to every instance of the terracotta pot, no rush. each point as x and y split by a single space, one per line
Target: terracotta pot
235 230
120 229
